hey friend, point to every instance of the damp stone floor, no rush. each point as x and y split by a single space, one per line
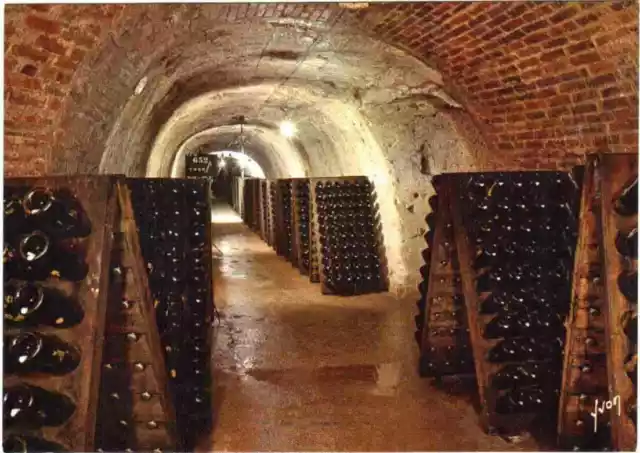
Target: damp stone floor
298 371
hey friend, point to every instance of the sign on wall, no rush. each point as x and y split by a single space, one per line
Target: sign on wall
202 165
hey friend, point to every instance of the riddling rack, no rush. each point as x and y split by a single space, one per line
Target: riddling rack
347 236
515 241
265 212
301 224
175 237
309 225
442 332
251 203
283 219
585 379
59 233
616 178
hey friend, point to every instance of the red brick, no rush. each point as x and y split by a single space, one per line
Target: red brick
616 103
50 44
602 67
585 108
46 25
30 53
602 80
564 14
580 47
552 55
23 81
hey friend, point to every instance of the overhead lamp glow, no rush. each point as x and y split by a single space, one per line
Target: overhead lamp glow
288 129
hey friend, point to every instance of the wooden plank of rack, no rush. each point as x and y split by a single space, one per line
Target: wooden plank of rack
272 213
140 319
98 198
264 206
134 260
295 230
264 210
279 219
574 424
443 286
315 259
442 215
289 252
244 195
298 202
613 171
257 206
259 226
284 218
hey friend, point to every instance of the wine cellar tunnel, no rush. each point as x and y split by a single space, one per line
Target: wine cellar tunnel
396 93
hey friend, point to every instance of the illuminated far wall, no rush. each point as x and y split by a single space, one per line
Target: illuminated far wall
251 168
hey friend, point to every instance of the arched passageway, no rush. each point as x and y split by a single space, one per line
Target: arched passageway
396 92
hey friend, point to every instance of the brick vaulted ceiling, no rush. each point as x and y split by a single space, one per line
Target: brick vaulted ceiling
542 83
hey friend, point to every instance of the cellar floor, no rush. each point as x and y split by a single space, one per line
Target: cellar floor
298 371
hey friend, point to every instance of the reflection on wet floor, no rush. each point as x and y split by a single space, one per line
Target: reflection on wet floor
298 371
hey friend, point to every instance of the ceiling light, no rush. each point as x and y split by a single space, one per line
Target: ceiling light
288 129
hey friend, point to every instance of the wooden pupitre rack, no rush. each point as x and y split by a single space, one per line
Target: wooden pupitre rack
119 387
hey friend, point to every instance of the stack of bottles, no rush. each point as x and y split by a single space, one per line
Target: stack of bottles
249 212
272 213
347 225
173 217
626 207
314 251
285 243
264 210
523 227
302 206
45 240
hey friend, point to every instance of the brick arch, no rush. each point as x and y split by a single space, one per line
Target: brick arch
543 82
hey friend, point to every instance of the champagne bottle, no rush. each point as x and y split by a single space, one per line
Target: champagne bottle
630 323
57 213
628 285
503 325
627 203
627 244
28 304
20 443
14 216
32 407
28 353
526 400
37 258
526 349
523 375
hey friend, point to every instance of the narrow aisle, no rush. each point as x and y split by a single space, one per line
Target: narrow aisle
298 371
